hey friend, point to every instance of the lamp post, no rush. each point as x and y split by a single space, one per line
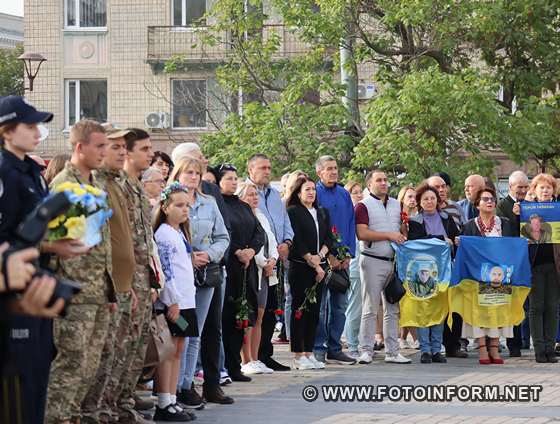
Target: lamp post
32 63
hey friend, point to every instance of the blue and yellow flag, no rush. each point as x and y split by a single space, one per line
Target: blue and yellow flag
424 267
490 281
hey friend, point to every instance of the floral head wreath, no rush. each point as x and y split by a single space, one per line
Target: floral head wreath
174 187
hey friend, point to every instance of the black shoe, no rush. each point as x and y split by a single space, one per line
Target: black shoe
217 396
439 358
170 414
551 358
541 358
378 345
239 376
181 408
275 366
515 353
340 358
426 358
456 354
191 399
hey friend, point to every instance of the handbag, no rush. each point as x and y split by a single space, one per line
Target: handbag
160 343
337 280
208 276
393 288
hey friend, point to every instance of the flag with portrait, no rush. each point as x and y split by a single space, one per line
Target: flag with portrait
424 267
490 281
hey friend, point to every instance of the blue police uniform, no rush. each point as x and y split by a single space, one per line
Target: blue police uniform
30 346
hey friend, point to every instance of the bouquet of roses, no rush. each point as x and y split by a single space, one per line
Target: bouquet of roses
86 217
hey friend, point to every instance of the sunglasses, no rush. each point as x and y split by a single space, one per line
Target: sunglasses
486 199
227 167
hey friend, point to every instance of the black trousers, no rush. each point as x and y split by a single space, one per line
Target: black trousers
452 336
24 375
233 338
211 342
266 349
515 342
303 330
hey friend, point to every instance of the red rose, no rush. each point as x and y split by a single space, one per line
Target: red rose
299 314
246 323
404 217
279 312
334 229
239 324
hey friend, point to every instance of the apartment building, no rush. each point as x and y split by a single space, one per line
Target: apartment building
106 60
11 31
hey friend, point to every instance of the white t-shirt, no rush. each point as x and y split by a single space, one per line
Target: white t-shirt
177 266
313 213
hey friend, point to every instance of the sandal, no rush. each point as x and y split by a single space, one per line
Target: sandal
483 361
498 360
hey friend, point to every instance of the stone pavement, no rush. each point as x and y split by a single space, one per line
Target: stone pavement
278 398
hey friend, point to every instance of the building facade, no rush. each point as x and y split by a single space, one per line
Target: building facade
11 31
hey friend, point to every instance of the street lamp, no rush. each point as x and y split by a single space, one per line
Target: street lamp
32 62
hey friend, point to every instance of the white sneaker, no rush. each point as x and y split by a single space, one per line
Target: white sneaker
251 368
302 363
404 344
415 344
318 365
353 354
365 358
263 367
396 359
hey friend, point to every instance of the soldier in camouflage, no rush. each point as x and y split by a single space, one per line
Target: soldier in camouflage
80 337
139 157
100 403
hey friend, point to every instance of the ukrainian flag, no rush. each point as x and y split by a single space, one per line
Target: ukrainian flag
424 267
490 281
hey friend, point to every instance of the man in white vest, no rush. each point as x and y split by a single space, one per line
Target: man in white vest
378 222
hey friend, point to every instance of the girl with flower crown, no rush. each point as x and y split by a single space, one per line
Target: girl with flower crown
177 298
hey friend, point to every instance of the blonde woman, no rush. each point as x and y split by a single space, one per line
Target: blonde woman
266 260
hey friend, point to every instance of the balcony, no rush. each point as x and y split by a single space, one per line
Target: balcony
165 42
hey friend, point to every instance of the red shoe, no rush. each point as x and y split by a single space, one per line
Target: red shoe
279 341
497 361
486 361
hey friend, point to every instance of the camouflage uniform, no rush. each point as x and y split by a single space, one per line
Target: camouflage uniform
80 336
100 400
143 236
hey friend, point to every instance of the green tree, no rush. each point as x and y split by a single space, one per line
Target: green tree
11 72
440 65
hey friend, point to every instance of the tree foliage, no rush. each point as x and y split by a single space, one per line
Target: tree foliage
11 72
439 65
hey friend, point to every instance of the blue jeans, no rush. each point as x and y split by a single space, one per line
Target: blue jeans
192 344
430 338
288 305
353 313
332 318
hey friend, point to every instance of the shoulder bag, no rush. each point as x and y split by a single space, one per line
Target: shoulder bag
208 276
393 288
160 343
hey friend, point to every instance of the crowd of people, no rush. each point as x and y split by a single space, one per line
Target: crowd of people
226 260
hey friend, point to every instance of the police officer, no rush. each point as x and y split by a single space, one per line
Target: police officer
30 347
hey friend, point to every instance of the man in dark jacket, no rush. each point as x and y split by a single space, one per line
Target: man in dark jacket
518 187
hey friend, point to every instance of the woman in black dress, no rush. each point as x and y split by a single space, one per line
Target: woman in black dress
312 243
247 238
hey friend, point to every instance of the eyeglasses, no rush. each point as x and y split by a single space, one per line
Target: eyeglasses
486 199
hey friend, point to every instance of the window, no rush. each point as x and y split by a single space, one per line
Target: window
189 103
85 99
188 12
85 14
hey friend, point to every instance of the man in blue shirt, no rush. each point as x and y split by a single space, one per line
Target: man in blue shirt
332 318
271 205
473 184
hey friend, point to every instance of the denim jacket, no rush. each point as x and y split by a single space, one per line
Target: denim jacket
208 231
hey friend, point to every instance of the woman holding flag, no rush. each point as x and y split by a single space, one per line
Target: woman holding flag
430 223
545 288
487 224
